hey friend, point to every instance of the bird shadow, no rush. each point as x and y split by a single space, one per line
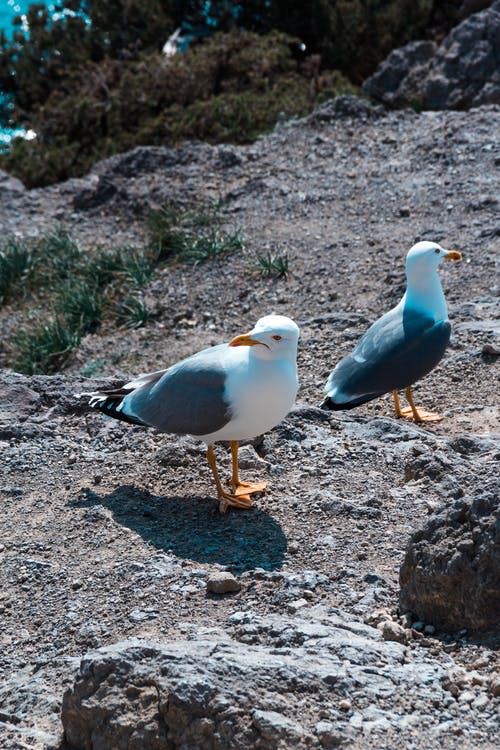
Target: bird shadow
193 528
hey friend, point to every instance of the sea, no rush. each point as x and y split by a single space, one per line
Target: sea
8 10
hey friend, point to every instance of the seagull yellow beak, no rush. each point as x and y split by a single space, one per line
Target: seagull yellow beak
453 255
244 340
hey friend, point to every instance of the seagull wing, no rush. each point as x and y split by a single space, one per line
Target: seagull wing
188 398
398 349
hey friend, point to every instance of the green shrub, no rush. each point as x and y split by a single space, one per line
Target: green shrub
230 88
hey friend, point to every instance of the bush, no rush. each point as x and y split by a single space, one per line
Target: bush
230 88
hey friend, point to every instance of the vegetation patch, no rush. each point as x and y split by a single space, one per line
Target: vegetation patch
273 264
229 88
71 293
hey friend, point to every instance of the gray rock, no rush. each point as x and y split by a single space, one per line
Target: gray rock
463 72
494 685
450 576
227 694
248 458
392 631
7 182
222 582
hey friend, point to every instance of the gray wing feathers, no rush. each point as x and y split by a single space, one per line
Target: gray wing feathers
396 351
188 398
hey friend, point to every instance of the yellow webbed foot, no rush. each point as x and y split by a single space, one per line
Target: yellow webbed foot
421 415
248 488
236 501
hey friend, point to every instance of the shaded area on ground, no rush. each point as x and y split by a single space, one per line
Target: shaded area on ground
192 528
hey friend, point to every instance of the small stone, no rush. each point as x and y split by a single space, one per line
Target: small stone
406 620
466 697
345 704
328 734
248 458
494 685
293 548
429 629
76 584
418 625
296 605
307 594
392 631
404 211
481 701
222 582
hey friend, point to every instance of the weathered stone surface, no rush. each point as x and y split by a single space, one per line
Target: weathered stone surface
450 576
344 106
464 71
225 694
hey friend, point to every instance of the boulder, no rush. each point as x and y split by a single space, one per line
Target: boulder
450 576
462 72
263 687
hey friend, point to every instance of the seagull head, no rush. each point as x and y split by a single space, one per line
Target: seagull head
272 337
425 257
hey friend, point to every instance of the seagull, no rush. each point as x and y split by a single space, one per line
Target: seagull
403 345
232 392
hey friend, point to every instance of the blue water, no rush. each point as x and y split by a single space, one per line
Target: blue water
8 10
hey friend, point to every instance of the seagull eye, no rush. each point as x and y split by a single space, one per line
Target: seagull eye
277 337
437 250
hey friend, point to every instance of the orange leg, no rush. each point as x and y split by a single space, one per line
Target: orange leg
240 501
242 488
417 415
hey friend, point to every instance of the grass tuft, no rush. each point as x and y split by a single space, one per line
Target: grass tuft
211 246
15 266
133 312
270 264
45 348
137 266
56 257
79 304
78 291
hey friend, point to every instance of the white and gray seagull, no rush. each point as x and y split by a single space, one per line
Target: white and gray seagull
403 345
231 392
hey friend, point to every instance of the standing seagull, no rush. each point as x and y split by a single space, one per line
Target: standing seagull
403 345
231 392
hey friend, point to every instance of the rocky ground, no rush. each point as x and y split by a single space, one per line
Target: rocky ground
111 532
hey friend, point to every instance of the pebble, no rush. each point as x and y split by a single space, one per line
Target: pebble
466 697
345 704
429 629
494 685
481 701
391 631
296 605
222 582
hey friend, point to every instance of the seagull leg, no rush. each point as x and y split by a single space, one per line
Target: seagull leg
242 488
396 404
240 501
417 415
